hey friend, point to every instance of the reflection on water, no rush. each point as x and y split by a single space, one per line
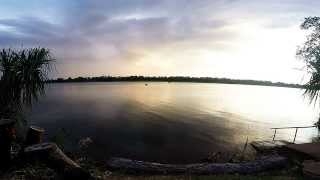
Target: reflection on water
171 122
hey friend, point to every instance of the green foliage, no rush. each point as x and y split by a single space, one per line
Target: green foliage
310 53
23 74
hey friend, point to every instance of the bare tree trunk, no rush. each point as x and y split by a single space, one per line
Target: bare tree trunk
55 158
7 135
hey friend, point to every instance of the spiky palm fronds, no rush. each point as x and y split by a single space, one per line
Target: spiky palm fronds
24 73
32 71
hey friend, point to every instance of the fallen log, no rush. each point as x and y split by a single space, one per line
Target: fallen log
51 154
260 165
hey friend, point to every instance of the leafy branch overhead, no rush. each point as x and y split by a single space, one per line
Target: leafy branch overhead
310 53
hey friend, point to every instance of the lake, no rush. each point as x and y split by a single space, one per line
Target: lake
170 122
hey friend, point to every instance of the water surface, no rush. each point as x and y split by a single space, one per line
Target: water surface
170 122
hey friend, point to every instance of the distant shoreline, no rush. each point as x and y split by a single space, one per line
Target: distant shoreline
174 79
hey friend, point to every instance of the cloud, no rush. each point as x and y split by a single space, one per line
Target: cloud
123 33
100 23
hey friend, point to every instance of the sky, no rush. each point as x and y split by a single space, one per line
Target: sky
242 39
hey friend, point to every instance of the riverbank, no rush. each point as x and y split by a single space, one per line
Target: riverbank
126 177
48 161
37 172
100 170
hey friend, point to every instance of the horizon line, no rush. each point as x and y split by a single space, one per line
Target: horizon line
168 77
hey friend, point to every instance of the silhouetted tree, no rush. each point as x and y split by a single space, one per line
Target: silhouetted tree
22 77
310 53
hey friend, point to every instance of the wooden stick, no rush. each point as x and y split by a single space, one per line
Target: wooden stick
295 135
274 135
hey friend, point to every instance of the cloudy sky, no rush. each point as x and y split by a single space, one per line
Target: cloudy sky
244 39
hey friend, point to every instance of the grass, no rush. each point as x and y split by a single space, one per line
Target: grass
98 170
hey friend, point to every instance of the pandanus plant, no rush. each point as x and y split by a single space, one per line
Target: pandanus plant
22 78
23 74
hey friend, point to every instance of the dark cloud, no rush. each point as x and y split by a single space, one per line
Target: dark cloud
31 26
86 23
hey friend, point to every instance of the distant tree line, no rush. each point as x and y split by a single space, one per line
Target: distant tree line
173 79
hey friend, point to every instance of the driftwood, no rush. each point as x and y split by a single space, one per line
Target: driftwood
55 158
263 164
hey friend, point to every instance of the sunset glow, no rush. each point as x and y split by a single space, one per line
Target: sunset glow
234 39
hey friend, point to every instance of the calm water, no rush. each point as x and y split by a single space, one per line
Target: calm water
170 122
